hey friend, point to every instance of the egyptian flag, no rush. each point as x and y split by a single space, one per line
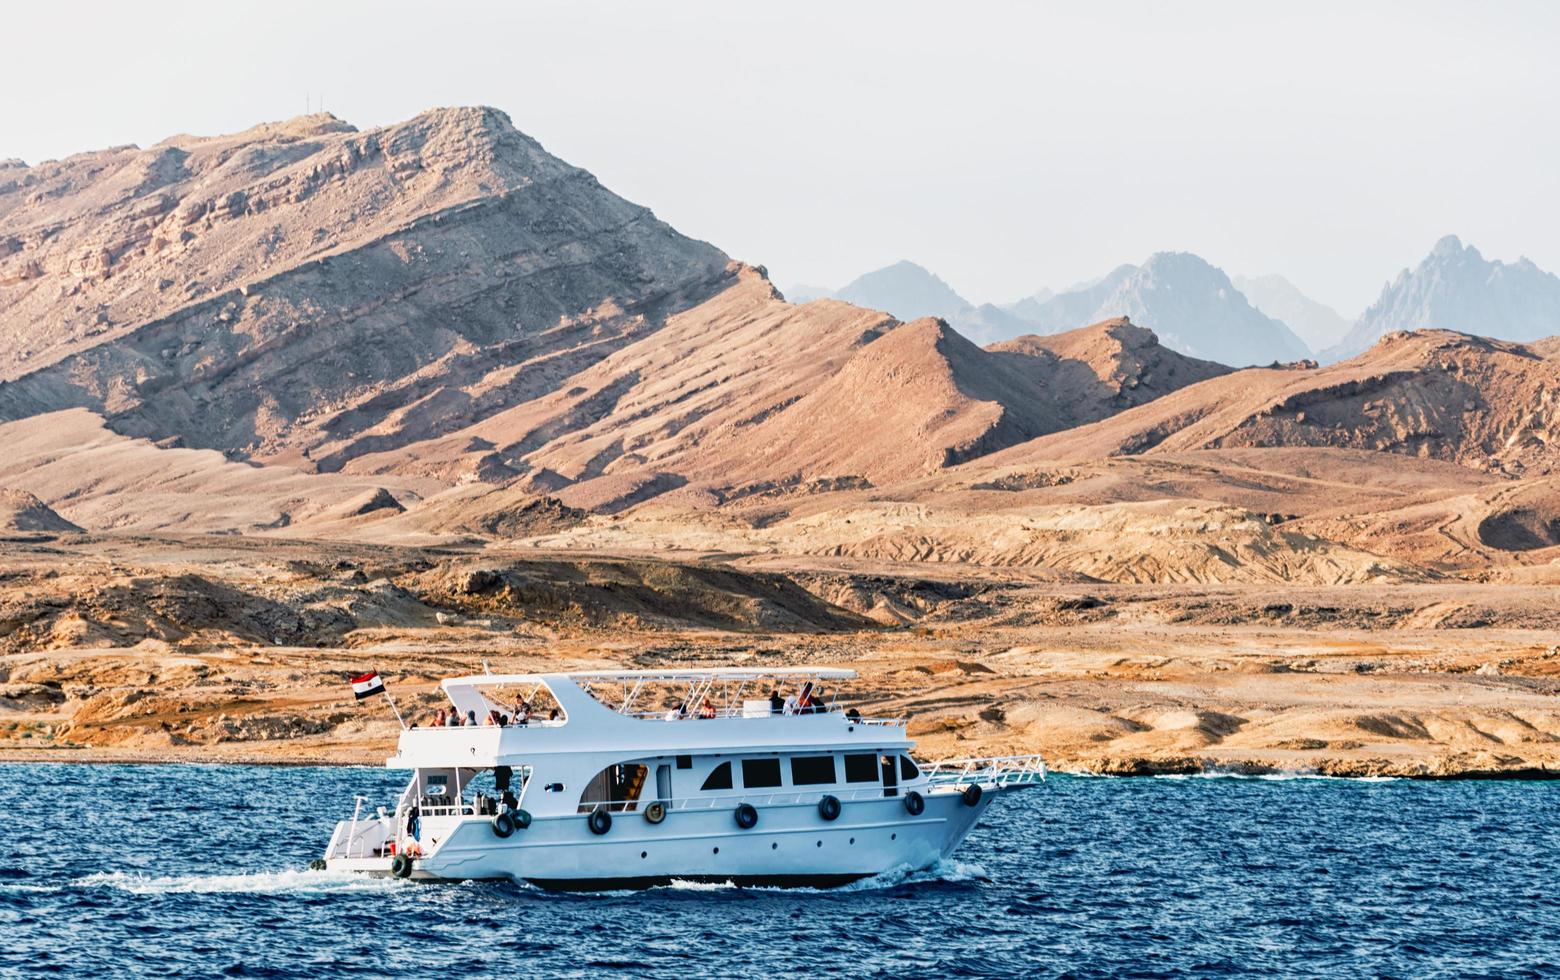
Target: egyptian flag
367 685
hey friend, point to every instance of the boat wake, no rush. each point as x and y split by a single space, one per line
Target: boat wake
253 883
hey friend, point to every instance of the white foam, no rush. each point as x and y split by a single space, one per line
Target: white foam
1275 777
255 883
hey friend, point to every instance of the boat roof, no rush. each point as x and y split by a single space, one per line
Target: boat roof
706 673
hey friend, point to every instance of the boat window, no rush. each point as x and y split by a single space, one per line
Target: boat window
861 768
685 762
719 777
812 770
760 773
907 769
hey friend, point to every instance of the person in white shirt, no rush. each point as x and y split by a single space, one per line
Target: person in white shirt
790 704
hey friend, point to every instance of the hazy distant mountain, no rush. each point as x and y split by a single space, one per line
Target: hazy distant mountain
803 293
1318 324
1191 305
906 291
989 323
1029 307
1456 288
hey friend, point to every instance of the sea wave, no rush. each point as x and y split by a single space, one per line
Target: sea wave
251 883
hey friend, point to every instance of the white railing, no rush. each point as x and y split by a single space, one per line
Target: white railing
741 713
994 771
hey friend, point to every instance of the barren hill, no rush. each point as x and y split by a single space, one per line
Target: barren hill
23 513
1482 403
1107 367
290 291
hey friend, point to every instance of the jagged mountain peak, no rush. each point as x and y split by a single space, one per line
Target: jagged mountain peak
1452 245
1456 288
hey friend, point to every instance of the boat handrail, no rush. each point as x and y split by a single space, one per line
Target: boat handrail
780 797
998 770
665 715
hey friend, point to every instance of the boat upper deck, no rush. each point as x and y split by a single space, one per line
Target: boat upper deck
508 717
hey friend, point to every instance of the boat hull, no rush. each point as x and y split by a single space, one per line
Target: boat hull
792 845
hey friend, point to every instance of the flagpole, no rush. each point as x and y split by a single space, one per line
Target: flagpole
395 709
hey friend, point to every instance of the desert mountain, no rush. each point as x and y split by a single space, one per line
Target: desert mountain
817 396
905 291
441 302
1456 288
923 398
1318 324
1191 305
303 291
1489 404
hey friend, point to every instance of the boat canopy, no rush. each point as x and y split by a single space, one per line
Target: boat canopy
654 676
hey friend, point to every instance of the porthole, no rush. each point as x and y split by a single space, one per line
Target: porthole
774 847
853 840
644 854
820 843
893 836
717 850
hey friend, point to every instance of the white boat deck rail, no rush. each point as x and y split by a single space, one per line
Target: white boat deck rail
999 771
683 695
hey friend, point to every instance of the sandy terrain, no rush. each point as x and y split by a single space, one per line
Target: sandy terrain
211 648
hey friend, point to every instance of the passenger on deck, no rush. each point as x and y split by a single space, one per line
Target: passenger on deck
453 721
522 713
706 710
471 718
790 704
678 713
776 702
553 715
492 718
438 718
805 704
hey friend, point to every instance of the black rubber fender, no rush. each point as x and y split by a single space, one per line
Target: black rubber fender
401 866
503 825
655 812
600 821
972 794
915 803
829 807
746 816
318 864
522 818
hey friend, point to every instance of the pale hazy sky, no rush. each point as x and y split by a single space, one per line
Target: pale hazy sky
1004 146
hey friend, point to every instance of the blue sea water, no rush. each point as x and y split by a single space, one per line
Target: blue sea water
155 871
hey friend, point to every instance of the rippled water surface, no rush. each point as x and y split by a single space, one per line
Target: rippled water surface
198 870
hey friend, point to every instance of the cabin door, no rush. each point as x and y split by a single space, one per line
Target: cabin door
663 782
890 775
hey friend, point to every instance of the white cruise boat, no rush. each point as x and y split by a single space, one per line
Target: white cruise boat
610 785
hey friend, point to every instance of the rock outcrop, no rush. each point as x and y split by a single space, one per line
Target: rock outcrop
23 513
